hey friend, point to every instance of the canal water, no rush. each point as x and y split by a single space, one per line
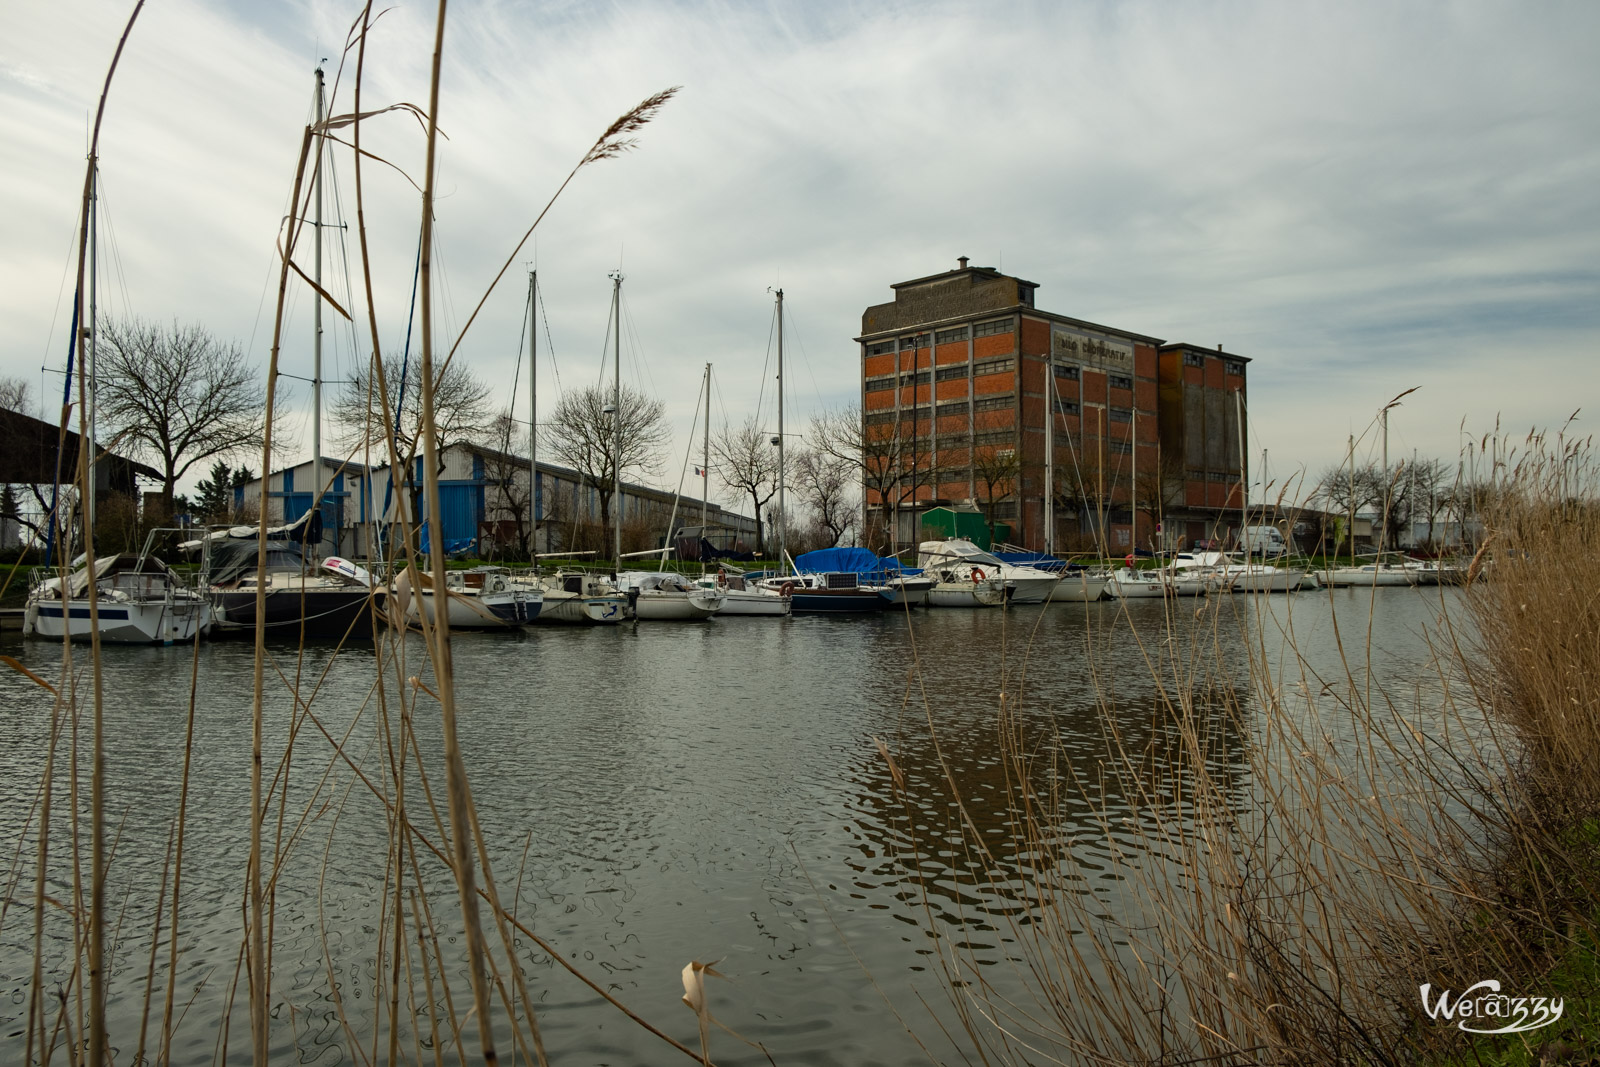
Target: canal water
651 795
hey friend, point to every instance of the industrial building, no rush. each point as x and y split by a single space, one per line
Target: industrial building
1142 447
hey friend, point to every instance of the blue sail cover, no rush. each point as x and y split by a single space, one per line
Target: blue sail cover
861 561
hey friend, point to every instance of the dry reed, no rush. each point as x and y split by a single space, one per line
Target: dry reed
1296 852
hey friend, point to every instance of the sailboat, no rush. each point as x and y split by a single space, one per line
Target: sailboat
138 599
303 598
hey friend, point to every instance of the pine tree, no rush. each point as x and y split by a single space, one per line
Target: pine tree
215 501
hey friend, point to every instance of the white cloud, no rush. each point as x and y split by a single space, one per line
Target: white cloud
1361 197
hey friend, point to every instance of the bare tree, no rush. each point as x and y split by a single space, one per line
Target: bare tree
892 462
14 396
177 395
582 435
747 462
507 508
826 484
462 408
996 465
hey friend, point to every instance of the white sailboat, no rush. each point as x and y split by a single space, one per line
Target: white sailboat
140 600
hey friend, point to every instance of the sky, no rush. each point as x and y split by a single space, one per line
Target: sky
1361 197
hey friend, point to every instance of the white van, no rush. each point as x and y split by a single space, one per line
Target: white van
1265 541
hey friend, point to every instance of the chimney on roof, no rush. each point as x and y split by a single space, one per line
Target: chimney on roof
963 261
1219 348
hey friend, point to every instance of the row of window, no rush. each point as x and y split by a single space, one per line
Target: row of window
958 370
994 366
989 329
995 437
1119 382
944 337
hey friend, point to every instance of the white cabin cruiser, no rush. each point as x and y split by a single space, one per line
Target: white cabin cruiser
1028 585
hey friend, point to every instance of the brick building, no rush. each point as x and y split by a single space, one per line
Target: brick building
956 375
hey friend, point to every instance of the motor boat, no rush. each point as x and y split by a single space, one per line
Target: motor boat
965 585
1028 585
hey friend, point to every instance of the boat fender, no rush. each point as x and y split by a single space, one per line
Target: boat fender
788 589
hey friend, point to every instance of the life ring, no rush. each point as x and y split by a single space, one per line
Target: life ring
788 589
977 575
1129 561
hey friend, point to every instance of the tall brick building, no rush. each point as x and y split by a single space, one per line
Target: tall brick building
956 375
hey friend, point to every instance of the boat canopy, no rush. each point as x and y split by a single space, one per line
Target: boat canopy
126 563
859 561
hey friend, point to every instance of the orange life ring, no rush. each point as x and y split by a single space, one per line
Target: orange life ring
977 575
788 589
1129 561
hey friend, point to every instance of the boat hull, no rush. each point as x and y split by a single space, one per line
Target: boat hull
320 614
572 609
120 623
836 601
1078 589
967 595
506 610
746 602
1365 577
656 605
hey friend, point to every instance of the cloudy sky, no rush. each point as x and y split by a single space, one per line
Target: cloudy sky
1361 197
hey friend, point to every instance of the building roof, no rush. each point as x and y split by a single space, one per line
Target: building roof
1185 345
28 455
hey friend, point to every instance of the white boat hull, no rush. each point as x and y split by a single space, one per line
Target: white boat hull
657 605
156 623
1078 589
988 594
487 611
749 602
573 609
1366 577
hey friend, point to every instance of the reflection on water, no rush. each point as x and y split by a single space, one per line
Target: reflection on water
662 793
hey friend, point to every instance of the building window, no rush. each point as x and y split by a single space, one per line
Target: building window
996 403
919 378
994 366
914 342
878 418
1119 448
955 407
1006 509
878 385
1067 370
944 337
1194 359
878 348
987 329
946 373
1234 367
1066 407
994 437
1219 476
1119 382
1025 295
1121 415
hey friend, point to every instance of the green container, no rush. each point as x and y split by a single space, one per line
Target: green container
940 523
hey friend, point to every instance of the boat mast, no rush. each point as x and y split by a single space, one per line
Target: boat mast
1049 453
1383 522
533 418
316 321
616 420
705 461
89 353
782 550
1352 461
1244 477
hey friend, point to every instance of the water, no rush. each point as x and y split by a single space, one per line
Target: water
652 795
